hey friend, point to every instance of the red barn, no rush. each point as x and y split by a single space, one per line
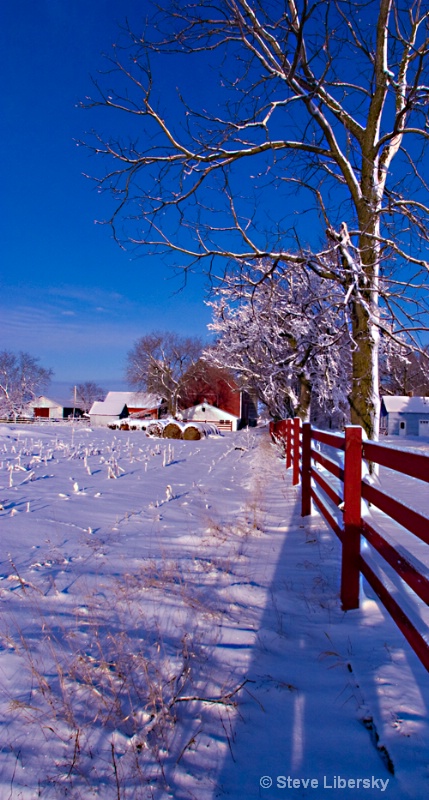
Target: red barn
217 388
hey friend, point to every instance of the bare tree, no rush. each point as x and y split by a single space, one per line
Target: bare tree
21 378
315 107
159 363
87 393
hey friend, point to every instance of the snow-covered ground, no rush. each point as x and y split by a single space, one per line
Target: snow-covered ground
171 628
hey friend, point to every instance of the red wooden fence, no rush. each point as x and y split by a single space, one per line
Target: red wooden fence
342 510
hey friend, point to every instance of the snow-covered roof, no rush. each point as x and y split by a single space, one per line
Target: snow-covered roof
135 399
110 407
49 402
410 405
218 413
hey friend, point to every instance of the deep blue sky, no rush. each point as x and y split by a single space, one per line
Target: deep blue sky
68 294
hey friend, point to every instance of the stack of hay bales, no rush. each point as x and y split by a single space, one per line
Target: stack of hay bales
168 428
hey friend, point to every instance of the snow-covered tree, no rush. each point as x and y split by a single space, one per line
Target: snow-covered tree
159 363
21 379
311 119
403 370
286 337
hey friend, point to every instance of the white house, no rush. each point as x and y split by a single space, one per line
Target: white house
204 412
405 416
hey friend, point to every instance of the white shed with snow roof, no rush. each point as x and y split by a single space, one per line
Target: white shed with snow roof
204 412
44 407
142 403
105 412
404 416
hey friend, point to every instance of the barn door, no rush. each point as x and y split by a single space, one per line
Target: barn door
41 412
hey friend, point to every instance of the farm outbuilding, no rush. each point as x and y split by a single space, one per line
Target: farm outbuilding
48 408
204 412
107 412
215 387
121 405
404 416
142 405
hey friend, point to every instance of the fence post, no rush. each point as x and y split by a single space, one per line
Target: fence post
352 518
288 443
282 432
306 470
295 473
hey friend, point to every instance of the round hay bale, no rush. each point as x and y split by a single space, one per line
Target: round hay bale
154 428
172 431
192 433
124 426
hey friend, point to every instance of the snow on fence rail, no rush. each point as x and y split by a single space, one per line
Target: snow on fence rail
344 510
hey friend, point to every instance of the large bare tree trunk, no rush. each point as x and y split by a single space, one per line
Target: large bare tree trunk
364 402
303 409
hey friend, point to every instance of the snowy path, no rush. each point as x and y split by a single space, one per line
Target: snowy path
134 608
327 685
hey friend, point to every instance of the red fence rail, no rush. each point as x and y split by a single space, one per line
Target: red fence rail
341 506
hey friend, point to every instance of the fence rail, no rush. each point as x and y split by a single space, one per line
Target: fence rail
42 420
18 420
341 506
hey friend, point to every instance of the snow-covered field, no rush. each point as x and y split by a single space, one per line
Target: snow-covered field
171 627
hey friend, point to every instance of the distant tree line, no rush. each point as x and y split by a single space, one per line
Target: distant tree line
286 340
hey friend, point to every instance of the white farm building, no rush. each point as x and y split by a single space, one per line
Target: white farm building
106 412
204 412
118 405
405 416
43 407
